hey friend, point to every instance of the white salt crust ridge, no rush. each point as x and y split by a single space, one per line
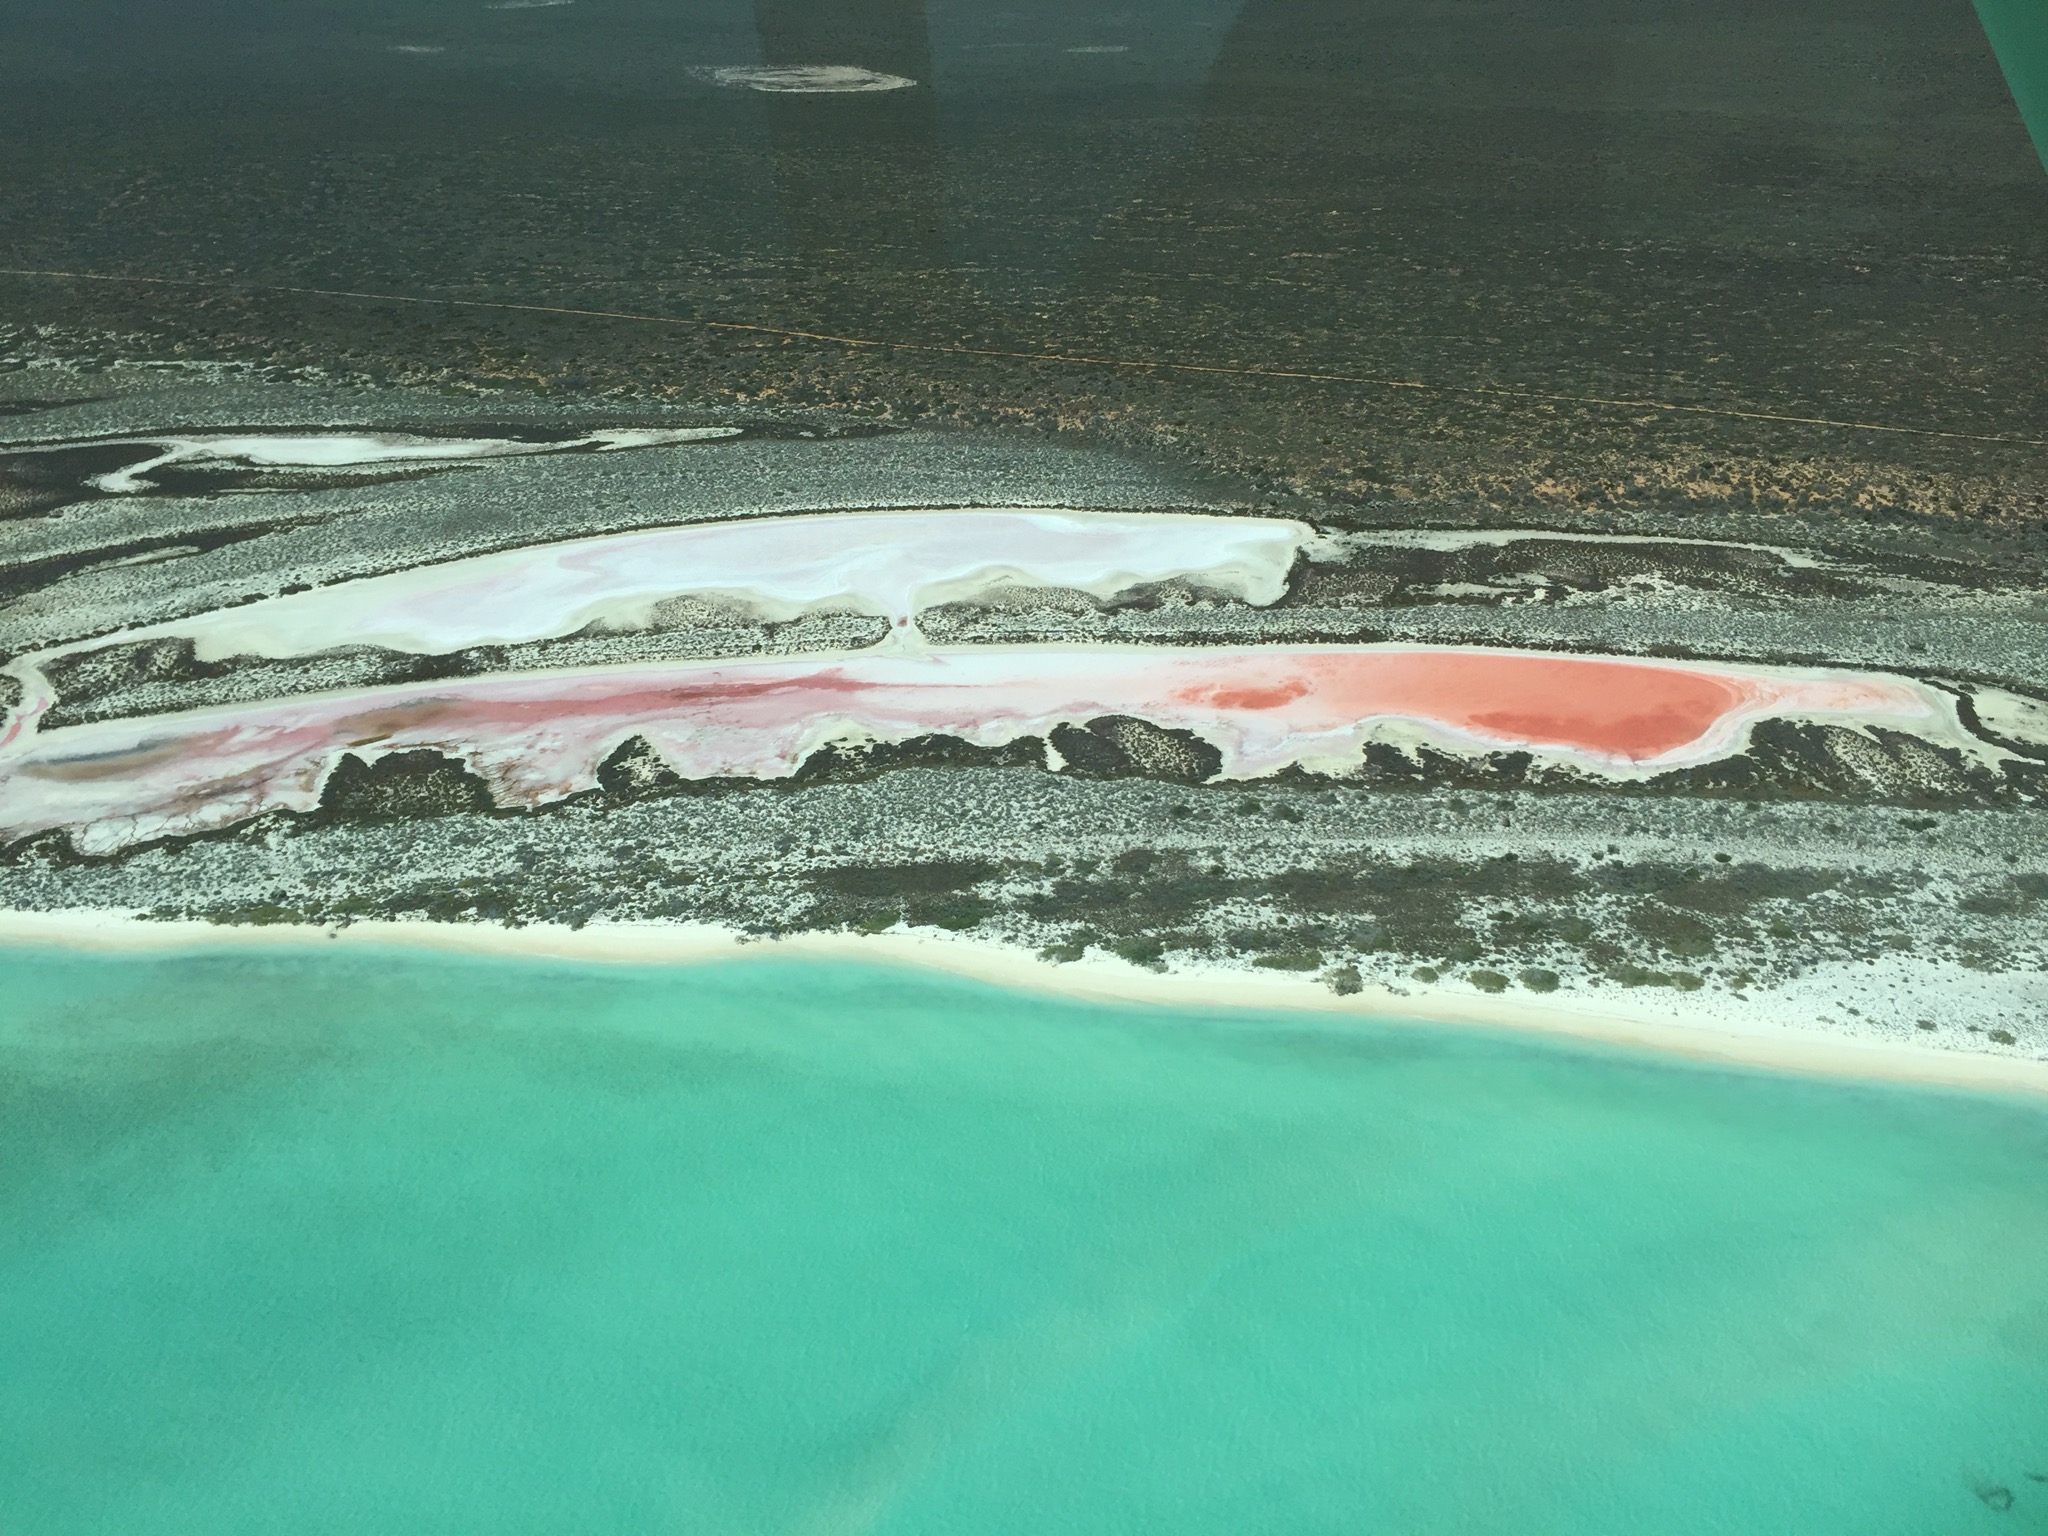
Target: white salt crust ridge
353 450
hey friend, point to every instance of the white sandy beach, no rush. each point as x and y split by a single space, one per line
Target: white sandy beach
1760 1031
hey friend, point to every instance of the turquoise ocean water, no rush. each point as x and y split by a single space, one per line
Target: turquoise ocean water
370 1242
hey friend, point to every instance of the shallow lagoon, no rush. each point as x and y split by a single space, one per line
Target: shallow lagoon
372 1241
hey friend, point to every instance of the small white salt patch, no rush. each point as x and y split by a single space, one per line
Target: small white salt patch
806 79
344 450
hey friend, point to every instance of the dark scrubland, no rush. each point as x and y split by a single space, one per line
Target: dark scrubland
1583 258
1344 880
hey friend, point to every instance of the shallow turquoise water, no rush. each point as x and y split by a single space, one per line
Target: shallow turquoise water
369 1243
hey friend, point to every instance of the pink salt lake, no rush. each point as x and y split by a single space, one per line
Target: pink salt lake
539 736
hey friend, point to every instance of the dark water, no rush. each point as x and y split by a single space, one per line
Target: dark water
372 1243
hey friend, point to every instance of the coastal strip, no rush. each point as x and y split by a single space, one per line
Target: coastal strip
1761 1033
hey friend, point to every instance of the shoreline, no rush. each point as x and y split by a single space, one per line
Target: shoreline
1775 1046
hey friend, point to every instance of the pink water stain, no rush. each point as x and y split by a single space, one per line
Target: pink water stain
538 736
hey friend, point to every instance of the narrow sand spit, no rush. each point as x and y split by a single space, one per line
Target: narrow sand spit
1760 1033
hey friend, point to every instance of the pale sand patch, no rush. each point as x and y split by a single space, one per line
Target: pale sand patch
805 79
2012 715
1763 1037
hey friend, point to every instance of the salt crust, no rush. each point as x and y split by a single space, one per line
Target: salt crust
891 563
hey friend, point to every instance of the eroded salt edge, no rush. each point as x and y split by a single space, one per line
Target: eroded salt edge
891 563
